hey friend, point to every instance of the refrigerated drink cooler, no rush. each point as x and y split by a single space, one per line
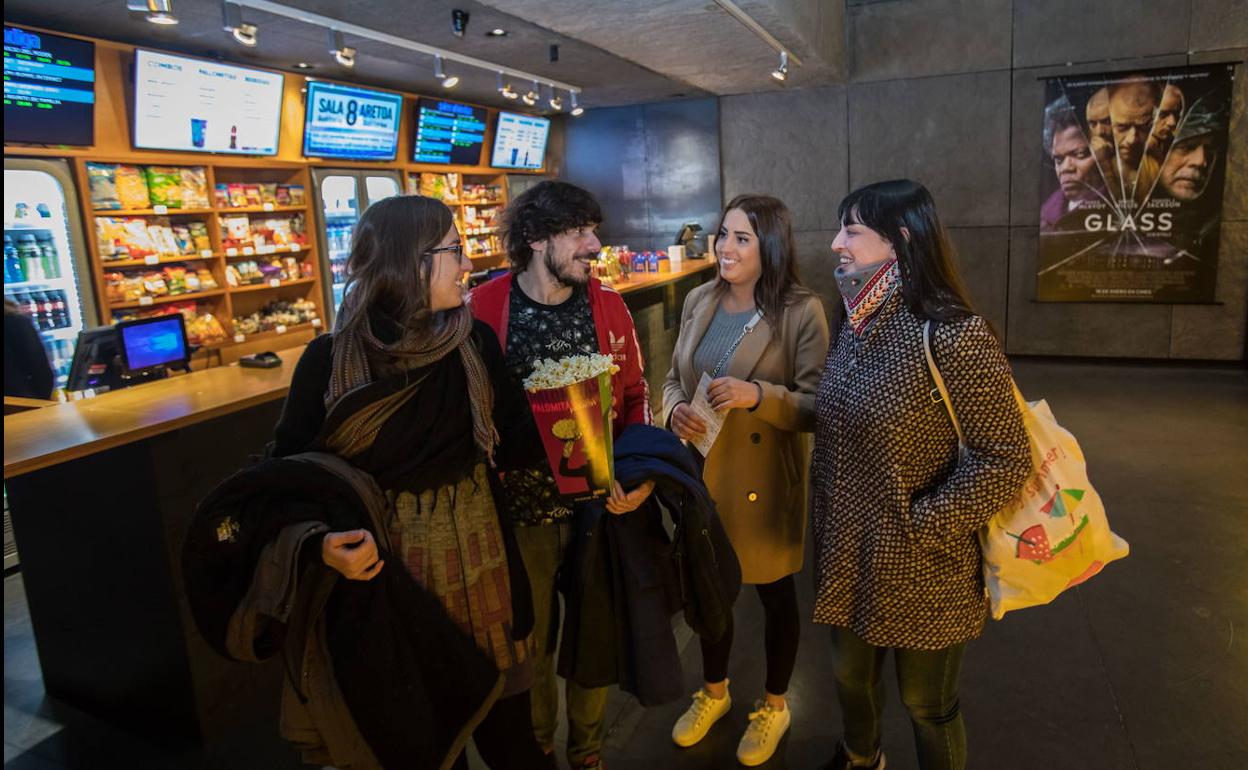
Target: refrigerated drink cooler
46 273
342 195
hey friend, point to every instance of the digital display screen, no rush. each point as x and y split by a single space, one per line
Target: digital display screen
153 342
448 132
192 105
49 88
351 123
520 141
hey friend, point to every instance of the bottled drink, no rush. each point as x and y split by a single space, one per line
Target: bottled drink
28 253
30 308
50 260
60 309
13 270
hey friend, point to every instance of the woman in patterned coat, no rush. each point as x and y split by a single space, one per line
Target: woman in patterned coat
895 505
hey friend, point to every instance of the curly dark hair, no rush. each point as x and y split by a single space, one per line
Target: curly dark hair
543 211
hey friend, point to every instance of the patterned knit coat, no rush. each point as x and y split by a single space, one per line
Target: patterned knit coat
894 509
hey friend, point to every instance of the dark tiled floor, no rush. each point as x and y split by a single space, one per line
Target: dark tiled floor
1145 667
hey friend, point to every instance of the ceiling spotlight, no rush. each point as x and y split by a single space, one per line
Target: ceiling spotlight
448 81
577 110
303 65
532 95
343 54
781 73
555 102
496 32
232 22
459 22
158 11
506 89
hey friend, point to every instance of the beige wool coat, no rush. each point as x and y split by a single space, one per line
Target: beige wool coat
757 470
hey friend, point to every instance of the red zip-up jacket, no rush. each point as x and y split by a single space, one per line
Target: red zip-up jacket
613 324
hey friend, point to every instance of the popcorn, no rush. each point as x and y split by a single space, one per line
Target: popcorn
567 371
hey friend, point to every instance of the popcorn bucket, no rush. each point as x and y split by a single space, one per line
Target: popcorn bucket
575 423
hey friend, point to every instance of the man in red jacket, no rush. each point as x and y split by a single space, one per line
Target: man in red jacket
550 307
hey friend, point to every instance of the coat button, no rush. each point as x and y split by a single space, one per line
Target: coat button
752 497
755 438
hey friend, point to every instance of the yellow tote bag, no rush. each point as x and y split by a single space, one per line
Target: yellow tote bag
1054 534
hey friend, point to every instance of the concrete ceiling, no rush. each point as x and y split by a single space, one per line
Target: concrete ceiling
697 42
619 51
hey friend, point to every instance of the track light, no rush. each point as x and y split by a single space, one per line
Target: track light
344 54
506 89
781 73
448 81
232 22
555 102
532 95
577 110
158 11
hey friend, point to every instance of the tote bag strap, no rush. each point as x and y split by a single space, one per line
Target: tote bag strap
940 392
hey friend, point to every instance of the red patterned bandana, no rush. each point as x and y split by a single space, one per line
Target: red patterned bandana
866 291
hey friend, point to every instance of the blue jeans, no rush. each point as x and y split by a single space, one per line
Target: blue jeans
928 680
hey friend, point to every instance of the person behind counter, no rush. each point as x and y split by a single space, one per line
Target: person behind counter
412 390
27 373
895 503
762 337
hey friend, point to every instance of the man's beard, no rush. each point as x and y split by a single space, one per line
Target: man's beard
563 275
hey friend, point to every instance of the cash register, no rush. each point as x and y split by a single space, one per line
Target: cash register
129 353
688 237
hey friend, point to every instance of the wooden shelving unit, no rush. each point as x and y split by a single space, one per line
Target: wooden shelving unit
451 191
226 302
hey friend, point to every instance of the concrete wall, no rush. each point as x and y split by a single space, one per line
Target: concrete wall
948 92
653 167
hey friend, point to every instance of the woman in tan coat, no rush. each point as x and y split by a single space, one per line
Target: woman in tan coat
761 339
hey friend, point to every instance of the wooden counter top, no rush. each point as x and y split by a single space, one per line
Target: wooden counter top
55 434
640 281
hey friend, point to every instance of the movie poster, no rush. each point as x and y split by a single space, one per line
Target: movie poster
1132 189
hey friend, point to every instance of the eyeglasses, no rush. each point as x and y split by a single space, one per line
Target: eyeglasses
456 249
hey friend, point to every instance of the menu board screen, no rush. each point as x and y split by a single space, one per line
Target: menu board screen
520 141
49 88
448 132
192 105
351 123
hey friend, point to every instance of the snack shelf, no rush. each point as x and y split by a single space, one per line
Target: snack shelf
264 286
488 255
274 209
195 257
255 252
150 212
270 333
192 295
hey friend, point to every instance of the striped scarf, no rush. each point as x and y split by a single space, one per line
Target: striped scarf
865 292
351 370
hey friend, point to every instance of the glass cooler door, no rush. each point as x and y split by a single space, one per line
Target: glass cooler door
45 266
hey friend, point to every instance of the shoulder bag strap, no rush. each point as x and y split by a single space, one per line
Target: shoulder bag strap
940 392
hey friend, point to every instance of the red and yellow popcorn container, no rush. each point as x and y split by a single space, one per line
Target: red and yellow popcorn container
575 423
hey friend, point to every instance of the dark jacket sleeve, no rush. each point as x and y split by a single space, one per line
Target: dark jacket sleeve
997 459
303 414
26 370
520 441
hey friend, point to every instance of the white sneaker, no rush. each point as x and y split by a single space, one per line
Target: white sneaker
697 720
767 726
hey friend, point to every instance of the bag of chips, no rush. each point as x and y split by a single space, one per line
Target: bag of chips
102 178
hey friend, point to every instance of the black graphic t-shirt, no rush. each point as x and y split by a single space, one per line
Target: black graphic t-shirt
534 332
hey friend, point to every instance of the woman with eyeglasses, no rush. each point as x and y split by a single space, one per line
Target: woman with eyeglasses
412 390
